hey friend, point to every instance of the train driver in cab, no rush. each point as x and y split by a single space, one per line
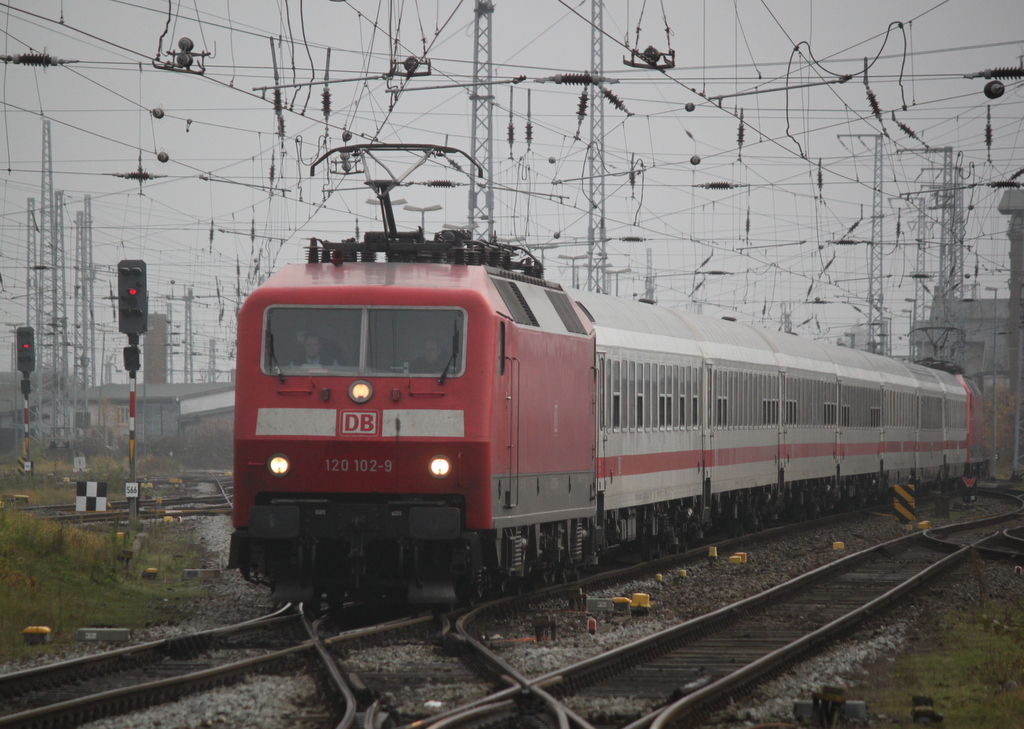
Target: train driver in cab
314 353
431 359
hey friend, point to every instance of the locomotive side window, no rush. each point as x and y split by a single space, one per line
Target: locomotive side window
414 341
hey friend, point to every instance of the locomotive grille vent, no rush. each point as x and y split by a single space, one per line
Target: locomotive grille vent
516 302
565 312
586 311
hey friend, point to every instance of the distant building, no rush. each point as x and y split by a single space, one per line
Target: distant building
160 410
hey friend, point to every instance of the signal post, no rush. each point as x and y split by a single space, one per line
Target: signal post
133 320
26 340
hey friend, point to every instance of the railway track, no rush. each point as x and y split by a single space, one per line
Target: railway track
738 650
149 508
674 677
113 682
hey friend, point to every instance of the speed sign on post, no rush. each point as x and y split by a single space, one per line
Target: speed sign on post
131 489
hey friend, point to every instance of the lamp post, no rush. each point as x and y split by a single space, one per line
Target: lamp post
573 259
423 214
615 272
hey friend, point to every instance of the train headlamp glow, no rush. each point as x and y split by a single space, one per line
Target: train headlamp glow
440 466
279 465
360 391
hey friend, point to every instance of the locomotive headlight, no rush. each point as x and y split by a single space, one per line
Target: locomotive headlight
360 391
440 466
279 465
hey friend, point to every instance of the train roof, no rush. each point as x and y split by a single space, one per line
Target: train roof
633 325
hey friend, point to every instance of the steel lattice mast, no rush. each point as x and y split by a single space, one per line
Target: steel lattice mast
597 252
878 336
53 335
83 374
878 341
481 194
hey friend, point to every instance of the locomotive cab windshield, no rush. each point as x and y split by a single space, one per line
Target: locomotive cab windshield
364 341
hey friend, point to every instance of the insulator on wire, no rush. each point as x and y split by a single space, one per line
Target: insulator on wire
748 224
1004 183
511 125
821 177
999 73
325 97
717 185
271 174
441 183
581 112
529 119
1017 174
615 101
988 131
575 79
905 129
739 136
875 108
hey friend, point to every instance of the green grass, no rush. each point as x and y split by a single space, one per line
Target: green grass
66 577
973 669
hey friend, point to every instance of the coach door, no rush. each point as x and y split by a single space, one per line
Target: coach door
835 418
708 434
603 419
511 496
782 423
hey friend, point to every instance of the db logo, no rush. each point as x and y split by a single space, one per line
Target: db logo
359 422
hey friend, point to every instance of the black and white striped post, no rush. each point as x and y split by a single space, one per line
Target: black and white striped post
131 363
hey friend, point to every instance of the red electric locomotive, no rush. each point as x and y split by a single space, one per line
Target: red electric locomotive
395 433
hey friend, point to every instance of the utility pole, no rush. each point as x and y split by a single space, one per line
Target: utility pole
55 319
649 280
34 301
946 328
597 239
481 200
878 339
189 373
211 367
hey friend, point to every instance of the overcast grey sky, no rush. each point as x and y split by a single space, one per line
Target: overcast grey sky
772 235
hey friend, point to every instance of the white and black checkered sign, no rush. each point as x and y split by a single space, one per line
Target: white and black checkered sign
92 496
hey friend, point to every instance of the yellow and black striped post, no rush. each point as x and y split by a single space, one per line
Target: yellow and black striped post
903 504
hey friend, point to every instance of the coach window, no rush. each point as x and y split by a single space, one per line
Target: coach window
616 395
631 419
698 395
300 340
648 400
685 392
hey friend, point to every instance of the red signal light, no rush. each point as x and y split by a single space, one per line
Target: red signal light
133 292
25 345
